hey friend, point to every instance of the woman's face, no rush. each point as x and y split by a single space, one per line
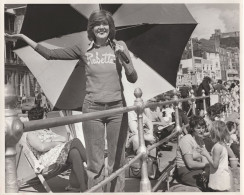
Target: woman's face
101 31
199 129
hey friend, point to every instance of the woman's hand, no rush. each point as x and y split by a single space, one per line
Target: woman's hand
119 48
204 152
15 36
196 156
30 42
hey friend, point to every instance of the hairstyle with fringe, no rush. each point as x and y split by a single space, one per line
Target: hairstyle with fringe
219 132
194 122
97 17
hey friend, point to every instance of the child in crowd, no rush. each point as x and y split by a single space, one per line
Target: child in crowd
232 130
234 135
220 176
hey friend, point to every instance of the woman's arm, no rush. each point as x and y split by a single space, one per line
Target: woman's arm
23 37
216 155
148 123
191 163
69 53
130 72
36 143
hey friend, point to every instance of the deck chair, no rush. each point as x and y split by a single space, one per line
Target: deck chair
39 174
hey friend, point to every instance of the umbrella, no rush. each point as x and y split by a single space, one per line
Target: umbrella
155 34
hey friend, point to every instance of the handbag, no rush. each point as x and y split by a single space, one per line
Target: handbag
134 170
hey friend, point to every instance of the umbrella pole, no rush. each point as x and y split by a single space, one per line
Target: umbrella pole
145 184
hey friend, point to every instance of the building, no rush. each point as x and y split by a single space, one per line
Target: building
217 58
227 44
16 71
205 62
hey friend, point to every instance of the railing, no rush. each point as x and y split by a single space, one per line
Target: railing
14 129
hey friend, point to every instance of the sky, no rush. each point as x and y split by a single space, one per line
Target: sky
209 17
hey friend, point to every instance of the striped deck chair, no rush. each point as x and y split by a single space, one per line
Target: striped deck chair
41 174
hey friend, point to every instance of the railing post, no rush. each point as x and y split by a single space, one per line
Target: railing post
177 119
204 102
193 102
13 133
145 185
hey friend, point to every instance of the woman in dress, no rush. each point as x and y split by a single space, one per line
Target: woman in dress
50 148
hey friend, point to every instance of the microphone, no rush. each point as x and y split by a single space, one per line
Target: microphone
120 53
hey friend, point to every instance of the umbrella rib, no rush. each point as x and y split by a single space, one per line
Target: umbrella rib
127 27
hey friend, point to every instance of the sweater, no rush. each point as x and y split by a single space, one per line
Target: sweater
102 69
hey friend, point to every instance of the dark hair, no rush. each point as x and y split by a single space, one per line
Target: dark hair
230 124
194 122
97 17
215 110
220 81
232 85
36 113
207 79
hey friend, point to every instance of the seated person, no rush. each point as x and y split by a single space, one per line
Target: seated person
133 138
192 167
50 148
161 126
234 138
155 115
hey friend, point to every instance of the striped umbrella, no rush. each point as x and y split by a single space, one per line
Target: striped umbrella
155 34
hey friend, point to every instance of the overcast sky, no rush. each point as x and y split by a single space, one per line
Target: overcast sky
214 16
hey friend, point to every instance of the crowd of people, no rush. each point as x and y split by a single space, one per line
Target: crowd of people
205 144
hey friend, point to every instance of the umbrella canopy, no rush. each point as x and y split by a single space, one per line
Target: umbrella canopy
155 34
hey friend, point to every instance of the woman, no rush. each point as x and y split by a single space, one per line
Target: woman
133 139
190 163
50 148
214 113
234 90
104 90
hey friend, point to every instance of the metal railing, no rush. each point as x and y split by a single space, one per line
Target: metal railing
14 129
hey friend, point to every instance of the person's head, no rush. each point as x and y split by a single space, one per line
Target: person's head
207 79
197 125
36 114
231 126
219 132
232 85
215 111
100 26
219 81
152 100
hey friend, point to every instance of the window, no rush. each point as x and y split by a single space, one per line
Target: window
198 61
